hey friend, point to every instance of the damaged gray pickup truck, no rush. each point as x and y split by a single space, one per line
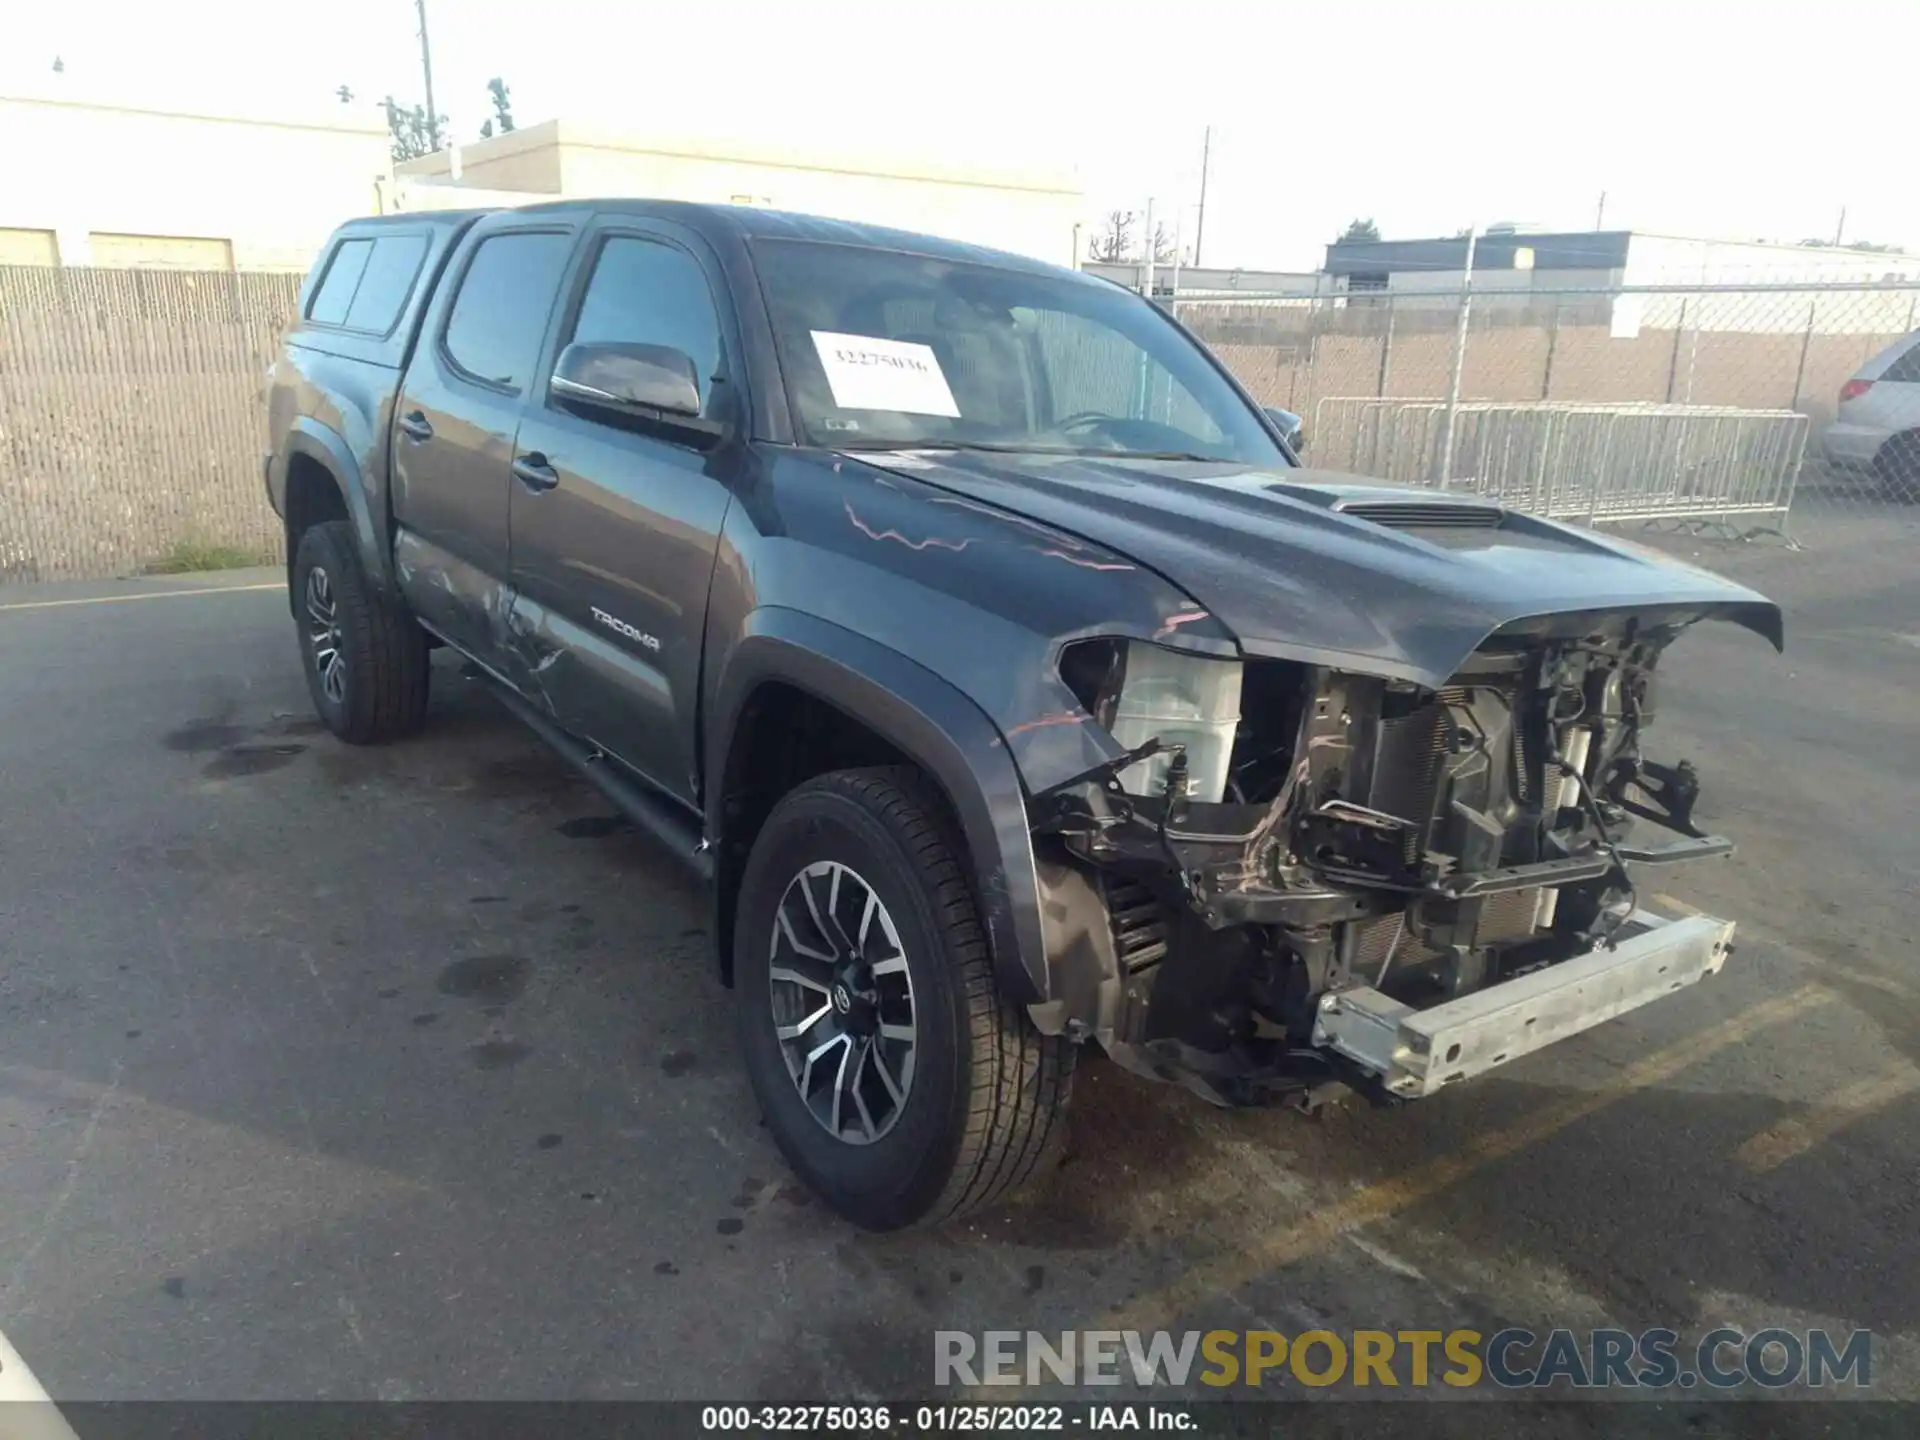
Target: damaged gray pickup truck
982 643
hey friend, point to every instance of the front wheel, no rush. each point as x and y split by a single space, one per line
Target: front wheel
365 657
894 1076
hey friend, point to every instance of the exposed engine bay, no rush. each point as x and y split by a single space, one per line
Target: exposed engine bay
1282 836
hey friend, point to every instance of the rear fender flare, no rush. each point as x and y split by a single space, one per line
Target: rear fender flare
318 442
934 725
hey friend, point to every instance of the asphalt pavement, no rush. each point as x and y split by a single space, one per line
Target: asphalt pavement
404 1073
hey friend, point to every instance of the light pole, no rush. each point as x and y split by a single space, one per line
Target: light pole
1444 459
1200 220
426 71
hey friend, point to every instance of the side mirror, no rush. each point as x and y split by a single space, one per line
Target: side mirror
1288 425
653 384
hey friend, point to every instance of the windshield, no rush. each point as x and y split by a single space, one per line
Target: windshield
887 350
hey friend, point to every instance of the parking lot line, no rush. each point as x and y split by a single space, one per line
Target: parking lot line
1797 1134
1877 982
1385 1198
1806 957
143 595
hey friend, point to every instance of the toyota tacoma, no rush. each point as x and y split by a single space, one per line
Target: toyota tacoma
984 645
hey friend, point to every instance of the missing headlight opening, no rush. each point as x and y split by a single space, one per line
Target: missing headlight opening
1283 838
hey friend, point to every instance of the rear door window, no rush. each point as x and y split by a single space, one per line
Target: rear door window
494 330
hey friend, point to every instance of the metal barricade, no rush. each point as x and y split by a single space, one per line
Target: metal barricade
1717 466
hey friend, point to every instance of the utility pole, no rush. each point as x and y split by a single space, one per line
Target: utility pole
1600 215
1841 228
1200 221
426 70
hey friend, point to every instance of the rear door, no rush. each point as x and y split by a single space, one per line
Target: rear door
454 423
615 528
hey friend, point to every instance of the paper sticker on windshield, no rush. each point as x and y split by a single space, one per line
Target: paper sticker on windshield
868 373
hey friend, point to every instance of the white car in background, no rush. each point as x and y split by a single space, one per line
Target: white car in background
1878 425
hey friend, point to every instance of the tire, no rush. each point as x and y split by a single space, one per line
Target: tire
1898 467
376 689
985 1094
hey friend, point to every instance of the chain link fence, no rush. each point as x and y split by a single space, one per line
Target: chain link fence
133 418
132 414
1718 408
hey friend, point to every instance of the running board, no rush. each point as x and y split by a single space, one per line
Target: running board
660 817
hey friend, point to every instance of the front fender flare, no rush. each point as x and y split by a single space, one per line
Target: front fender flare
933 724
308 437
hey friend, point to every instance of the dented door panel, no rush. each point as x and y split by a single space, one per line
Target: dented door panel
458 601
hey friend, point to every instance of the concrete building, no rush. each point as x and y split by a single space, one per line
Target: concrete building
1030 213
95 182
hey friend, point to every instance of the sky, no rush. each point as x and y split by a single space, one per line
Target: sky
1694 117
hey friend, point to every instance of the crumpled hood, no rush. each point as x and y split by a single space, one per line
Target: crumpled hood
1271 555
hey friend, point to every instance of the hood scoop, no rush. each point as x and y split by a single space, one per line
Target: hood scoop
1425 514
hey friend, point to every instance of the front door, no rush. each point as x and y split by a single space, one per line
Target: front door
615 527
454 424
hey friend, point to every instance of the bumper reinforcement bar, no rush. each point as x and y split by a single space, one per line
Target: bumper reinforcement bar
1416 1052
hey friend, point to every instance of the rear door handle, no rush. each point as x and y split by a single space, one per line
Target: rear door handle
533 471
415 427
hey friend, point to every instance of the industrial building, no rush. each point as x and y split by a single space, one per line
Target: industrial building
92 181
1512 257
1634 279
1028 212
203 189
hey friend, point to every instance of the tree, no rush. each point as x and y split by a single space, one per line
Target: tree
410 134
1163 251
1361 230
502 107
1114 241
59 66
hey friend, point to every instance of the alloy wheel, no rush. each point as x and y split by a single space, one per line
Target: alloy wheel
323 630
842 1000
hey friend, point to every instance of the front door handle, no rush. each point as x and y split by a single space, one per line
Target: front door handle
533 471
414 426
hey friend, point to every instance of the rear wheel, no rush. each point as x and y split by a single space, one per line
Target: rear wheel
1898 466
365 658
894 1076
